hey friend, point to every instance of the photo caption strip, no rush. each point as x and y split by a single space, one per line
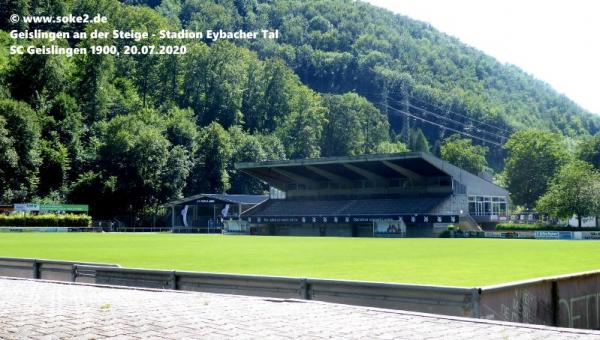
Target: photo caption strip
99 41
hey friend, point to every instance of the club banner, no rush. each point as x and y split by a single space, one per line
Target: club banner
406 219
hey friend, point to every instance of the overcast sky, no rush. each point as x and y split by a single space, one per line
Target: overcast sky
558 41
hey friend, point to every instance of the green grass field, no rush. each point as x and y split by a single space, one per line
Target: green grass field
462 262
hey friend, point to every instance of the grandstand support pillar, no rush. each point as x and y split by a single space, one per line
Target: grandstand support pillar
239 211
406 123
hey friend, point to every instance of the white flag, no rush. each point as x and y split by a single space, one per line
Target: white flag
184 215
225 210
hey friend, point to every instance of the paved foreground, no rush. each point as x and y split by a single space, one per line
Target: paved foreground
38 309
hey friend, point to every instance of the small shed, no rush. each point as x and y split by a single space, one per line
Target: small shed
205 213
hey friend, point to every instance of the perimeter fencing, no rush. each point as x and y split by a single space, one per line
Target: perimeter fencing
538 234
565 301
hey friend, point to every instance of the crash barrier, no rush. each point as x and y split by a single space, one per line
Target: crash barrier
50 270
538 235
566 301
433 299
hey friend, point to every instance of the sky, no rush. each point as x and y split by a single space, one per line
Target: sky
557 41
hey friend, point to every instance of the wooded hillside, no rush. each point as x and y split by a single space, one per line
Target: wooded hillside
127 133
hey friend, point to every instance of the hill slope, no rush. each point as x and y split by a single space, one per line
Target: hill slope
343 45
126 133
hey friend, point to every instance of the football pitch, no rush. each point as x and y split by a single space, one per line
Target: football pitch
457 262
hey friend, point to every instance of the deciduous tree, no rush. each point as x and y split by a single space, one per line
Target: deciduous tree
464 154
354 126
533 158
573 191
589 150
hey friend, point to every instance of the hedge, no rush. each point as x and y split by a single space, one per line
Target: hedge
539 226
45 220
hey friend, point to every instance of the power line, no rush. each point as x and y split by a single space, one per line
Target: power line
460 114
387 98
396 110
462 124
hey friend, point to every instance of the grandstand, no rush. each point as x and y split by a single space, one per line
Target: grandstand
394 195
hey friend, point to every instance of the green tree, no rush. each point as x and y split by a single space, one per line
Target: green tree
170 9
10 7
278 86
36 77
211 160
53 168
533 158
589 150
139 167
247 149
251 148
181 129
301 130
8 161
354 126
418 141
391 147
144 70
64 125
175 174
98 190
575 190
213 85
464 154
93 75
22 134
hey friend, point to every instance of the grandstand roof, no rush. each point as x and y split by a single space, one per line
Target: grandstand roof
224 198
411 165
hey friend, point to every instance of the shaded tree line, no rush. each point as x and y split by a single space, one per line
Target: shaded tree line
126 134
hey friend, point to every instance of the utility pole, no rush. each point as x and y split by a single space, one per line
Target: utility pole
406 121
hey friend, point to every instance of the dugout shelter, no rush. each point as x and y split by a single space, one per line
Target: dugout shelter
205 213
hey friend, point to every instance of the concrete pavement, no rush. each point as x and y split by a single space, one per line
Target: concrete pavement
32 309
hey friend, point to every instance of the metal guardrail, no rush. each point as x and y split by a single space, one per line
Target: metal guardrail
438 299
567 301
445 300
458 301
50 269
571 300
